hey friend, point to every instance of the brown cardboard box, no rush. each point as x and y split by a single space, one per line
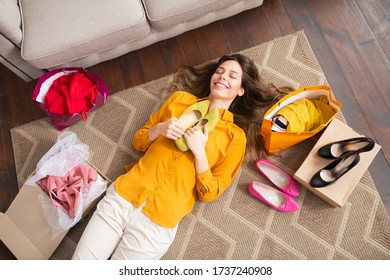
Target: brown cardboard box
25 230
337 193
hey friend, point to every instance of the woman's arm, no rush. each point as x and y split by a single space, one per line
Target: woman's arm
171 129
159 123
212 183
196 141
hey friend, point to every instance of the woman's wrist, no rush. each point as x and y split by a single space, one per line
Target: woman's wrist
201 162
154 132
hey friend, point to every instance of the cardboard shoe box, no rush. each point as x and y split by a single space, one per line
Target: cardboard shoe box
24 228
337 193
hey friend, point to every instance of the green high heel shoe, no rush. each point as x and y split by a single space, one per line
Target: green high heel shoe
210 121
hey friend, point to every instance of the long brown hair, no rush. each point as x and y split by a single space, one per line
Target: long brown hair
249 108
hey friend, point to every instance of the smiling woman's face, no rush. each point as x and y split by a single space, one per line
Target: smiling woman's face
225 84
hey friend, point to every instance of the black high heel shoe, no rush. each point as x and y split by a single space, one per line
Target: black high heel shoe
337 149
333 171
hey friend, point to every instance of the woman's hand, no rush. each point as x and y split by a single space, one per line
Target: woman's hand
196 139
171 129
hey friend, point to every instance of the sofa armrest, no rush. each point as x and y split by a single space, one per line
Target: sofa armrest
11 41
10 21
10 56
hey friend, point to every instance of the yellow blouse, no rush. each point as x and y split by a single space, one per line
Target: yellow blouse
165 177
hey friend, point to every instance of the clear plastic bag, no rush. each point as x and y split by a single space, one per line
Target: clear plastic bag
65 154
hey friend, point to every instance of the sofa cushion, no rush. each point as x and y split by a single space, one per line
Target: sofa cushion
165 14
10 24
58 31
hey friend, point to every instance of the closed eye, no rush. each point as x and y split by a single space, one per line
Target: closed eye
220 70
232 74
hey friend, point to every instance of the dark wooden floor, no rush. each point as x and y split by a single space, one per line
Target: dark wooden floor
350 38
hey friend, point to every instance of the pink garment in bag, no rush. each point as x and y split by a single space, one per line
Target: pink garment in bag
65 191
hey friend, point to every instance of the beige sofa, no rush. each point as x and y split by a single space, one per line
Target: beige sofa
39 35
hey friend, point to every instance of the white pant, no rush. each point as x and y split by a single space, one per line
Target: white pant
120 230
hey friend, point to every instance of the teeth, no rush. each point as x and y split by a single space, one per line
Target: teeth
221 85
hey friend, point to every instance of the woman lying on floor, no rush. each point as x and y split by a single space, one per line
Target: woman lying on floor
194 145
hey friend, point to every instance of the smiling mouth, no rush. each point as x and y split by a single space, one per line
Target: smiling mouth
221 85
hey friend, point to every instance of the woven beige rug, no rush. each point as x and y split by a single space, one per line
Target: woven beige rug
235 226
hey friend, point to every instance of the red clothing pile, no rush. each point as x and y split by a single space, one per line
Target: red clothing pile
71 94
65 191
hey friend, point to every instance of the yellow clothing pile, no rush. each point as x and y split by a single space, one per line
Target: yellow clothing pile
307 114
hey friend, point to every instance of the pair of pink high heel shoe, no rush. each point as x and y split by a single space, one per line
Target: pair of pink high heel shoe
281 195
